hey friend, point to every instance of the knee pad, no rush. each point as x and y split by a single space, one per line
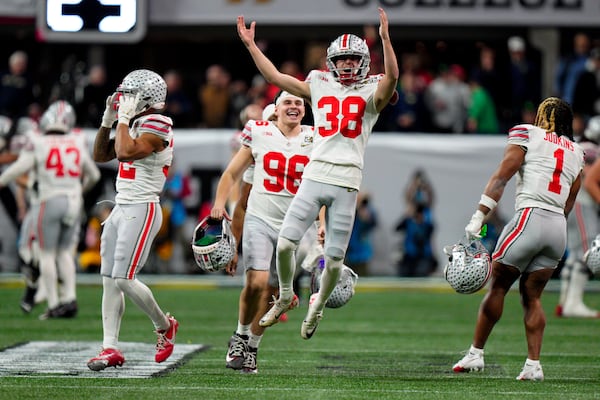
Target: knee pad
285 245
335 253
123 284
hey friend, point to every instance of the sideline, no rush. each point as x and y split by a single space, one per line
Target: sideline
216 281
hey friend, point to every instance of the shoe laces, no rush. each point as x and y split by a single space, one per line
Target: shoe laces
238 346
250 359
161 340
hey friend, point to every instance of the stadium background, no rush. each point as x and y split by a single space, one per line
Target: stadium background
191 35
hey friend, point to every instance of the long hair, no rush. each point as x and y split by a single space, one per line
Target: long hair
555 115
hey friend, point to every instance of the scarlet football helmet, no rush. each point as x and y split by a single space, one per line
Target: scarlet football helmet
344 46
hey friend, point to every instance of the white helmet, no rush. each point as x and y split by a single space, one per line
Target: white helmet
349 45
344 289
60 116
213 244
592 129
592 256
151 85
5 125
469 266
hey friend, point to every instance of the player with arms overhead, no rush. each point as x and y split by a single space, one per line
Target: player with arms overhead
346 103
548 165
143 144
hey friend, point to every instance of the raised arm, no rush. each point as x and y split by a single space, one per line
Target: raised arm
388 83
266 67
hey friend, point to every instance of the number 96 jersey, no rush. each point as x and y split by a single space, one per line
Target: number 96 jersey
552 163
279 165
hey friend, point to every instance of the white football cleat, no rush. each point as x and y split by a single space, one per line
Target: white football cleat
531 373
472 361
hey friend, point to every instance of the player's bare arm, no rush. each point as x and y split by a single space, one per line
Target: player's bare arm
387 85
266 67
237 223
104 146
514 156
130 149
591 182
236 167
573 195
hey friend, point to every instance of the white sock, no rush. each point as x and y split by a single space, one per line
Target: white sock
48 276
243 329
475 350
532 363
142 296
113 307
286 267
254 340
67 274
329 279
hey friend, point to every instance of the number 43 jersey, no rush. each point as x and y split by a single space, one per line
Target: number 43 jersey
279 163
552 163
344 117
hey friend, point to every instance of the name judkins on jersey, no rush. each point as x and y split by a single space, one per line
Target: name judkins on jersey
559 140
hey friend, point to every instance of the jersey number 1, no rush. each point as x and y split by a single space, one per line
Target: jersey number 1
554 186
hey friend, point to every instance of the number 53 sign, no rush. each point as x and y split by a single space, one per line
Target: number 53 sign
92 20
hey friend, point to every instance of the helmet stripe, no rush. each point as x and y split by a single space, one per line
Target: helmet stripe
345 42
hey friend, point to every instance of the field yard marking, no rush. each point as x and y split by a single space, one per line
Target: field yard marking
69 359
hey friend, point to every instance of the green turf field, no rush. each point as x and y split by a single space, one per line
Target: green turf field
385 344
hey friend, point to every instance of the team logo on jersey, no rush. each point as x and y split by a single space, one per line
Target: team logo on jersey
308 140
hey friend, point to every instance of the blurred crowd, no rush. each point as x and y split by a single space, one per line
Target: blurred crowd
440 90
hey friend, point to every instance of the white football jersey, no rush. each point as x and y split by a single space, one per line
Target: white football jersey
142 181
58 162
344 117
552 163
279 163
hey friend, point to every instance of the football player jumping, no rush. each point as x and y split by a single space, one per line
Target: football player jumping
346 103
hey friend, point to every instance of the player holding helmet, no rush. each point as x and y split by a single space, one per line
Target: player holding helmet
143 144
548 164
278 152
346 103
64 170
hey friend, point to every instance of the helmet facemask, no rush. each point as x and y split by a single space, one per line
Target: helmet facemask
213 244
348 46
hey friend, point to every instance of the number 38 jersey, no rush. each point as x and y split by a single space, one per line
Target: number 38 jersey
279 163
142 181
344 117
552 163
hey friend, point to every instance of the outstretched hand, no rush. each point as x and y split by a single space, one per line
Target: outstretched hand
384 32
246 34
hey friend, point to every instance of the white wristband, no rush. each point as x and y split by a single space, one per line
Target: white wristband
488 202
